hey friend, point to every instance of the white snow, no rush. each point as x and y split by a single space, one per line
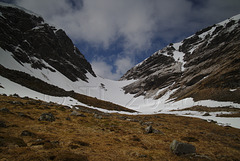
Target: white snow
236 18
112 90
1 15
203 35
232 90
177 45
12 88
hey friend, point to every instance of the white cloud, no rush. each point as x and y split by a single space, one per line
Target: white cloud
102 69
122 65
102 22
138 23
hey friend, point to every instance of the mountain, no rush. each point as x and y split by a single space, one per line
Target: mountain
40 61
54 107
196 77
32 41
204 66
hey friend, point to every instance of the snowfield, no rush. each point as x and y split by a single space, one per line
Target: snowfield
107 90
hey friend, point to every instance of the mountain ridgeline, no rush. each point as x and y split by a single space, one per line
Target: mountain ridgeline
30 40
204 66
36 55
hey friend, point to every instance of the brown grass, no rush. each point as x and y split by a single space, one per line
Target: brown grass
109 138
99 103
210 109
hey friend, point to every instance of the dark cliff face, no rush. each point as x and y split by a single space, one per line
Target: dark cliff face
209 70
28 37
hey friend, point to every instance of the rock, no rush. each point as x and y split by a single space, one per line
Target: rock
180 148
98 116
132 120
16 103
47 117
206 114
147 123
75 113
5 110
122 117
3 124
157 131
211 121
15 95
149 129
68 118
27 133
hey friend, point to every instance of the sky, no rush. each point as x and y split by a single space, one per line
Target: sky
115 35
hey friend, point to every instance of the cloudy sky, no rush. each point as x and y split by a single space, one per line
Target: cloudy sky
114 35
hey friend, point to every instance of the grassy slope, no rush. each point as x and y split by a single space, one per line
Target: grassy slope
109 138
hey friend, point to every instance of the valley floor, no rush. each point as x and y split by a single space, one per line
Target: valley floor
87 134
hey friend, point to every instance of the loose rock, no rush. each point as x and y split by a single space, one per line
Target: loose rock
5 110
98 116
180 148
206 114
149 129
47 117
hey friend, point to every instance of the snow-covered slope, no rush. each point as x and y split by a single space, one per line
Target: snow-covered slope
212 53
29 45
171 79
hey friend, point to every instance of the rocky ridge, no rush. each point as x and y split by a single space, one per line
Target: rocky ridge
35 42
206 62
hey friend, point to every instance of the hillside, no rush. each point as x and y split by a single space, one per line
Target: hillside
38 60
92 135
203 66
197 77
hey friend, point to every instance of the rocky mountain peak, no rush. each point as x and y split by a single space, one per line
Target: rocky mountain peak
35 42
206 61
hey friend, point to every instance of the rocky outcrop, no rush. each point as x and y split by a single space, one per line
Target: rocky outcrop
34 42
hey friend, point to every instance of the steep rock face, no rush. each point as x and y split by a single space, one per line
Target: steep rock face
203 66
31 41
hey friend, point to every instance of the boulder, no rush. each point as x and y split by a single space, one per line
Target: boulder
149 129
180 148
5 110
47 117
